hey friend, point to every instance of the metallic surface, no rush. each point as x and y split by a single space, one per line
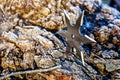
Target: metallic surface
73 36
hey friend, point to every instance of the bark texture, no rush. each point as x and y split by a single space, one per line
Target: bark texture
30 49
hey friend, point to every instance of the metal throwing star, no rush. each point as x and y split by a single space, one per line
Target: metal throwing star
73 36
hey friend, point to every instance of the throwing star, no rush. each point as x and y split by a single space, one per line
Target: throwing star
73 36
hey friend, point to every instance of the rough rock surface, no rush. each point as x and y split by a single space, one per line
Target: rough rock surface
48 13
27 42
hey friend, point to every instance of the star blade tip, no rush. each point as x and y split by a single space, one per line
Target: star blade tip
92 40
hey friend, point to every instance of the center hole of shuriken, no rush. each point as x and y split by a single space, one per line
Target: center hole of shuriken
72 36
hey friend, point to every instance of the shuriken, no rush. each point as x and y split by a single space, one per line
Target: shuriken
73 36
